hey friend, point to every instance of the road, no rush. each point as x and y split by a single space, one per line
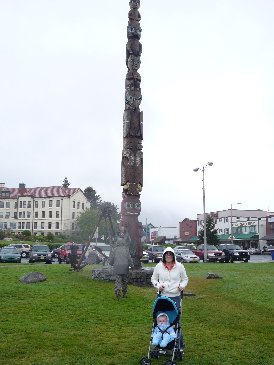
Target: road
260 258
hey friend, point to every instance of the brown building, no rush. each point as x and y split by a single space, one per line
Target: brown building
187 229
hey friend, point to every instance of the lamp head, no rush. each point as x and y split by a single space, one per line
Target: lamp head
197 169
210 163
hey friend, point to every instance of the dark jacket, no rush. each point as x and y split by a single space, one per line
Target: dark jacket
120 258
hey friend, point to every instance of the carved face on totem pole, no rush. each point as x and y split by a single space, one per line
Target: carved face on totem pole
134 4
133 99
133 63
134 31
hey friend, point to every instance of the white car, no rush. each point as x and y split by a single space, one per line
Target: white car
188 256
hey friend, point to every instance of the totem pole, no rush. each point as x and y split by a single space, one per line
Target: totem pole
132 155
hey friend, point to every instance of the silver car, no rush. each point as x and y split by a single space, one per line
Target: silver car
188 256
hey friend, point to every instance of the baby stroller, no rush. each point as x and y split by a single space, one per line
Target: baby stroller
163 304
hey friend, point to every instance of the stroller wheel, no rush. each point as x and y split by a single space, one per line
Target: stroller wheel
169 362
179 355
145 361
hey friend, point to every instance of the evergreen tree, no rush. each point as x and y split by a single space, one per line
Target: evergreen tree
66 183
92 197
211 232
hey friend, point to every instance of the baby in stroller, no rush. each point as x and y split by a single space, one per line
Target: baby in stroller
163 333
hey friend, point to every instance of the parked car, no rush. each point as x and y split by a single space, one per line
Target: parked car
40 253
10 254
213 254
189 246
187 255
145 258
155 253
234 253
23 248
55 252
65 252
254 251
267 250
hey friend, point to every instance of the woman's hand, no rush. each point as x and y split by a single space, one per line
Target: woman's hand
161 287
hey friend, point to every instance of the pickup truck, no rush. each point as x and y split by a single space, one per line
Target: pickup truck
213 254
234 253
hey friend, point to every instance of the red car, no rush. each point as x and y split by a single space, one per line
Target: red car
65 252
213 254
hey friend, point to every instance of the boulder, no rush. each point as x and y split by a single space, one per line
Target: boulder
33 277
212 275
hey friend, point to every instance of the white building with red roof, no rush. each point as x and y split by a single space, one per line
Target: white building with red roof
41 210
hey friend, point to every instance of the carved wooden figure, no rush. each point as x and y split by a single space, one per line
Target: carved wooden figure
132 154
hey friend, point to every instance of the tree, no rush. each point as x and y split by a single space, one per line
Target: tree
66 183
211 232
92 197
87 221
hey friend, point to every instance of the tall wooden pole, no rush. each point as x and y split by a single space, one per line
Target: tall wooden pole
132 155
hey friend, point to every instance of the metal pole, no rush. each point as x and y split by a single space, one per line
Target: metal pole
231 234
205 240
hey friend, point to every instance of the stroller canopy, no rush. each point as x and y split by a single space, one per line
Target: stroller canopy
164 304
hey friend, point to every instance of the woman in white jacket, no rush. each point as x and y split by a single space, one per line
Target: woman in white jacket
170 278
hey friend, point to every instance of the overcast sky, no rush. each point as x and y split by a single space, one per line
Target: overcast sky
207 85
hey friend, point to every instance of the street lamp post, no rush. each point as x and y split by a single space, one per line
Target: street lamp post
231 233
205 238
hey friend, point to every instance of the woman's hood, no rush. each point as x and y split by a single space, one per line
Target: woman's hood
169 249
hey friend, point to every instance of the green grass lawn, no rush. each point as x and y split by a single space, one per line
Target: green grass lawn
71 319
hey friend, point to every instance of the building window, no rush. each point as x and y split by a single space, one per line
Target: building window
12 225
57 225
15 205
49 225
50 203
24 204
2 205
1 214
73 215
73 204
27 225
83 206
28 214
20 214
57 214
43 214
42 225
35 225
36 203
7 215
43 204
50 214
7 205
23 225
29 204
57 203
20 204
78 205
35 214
